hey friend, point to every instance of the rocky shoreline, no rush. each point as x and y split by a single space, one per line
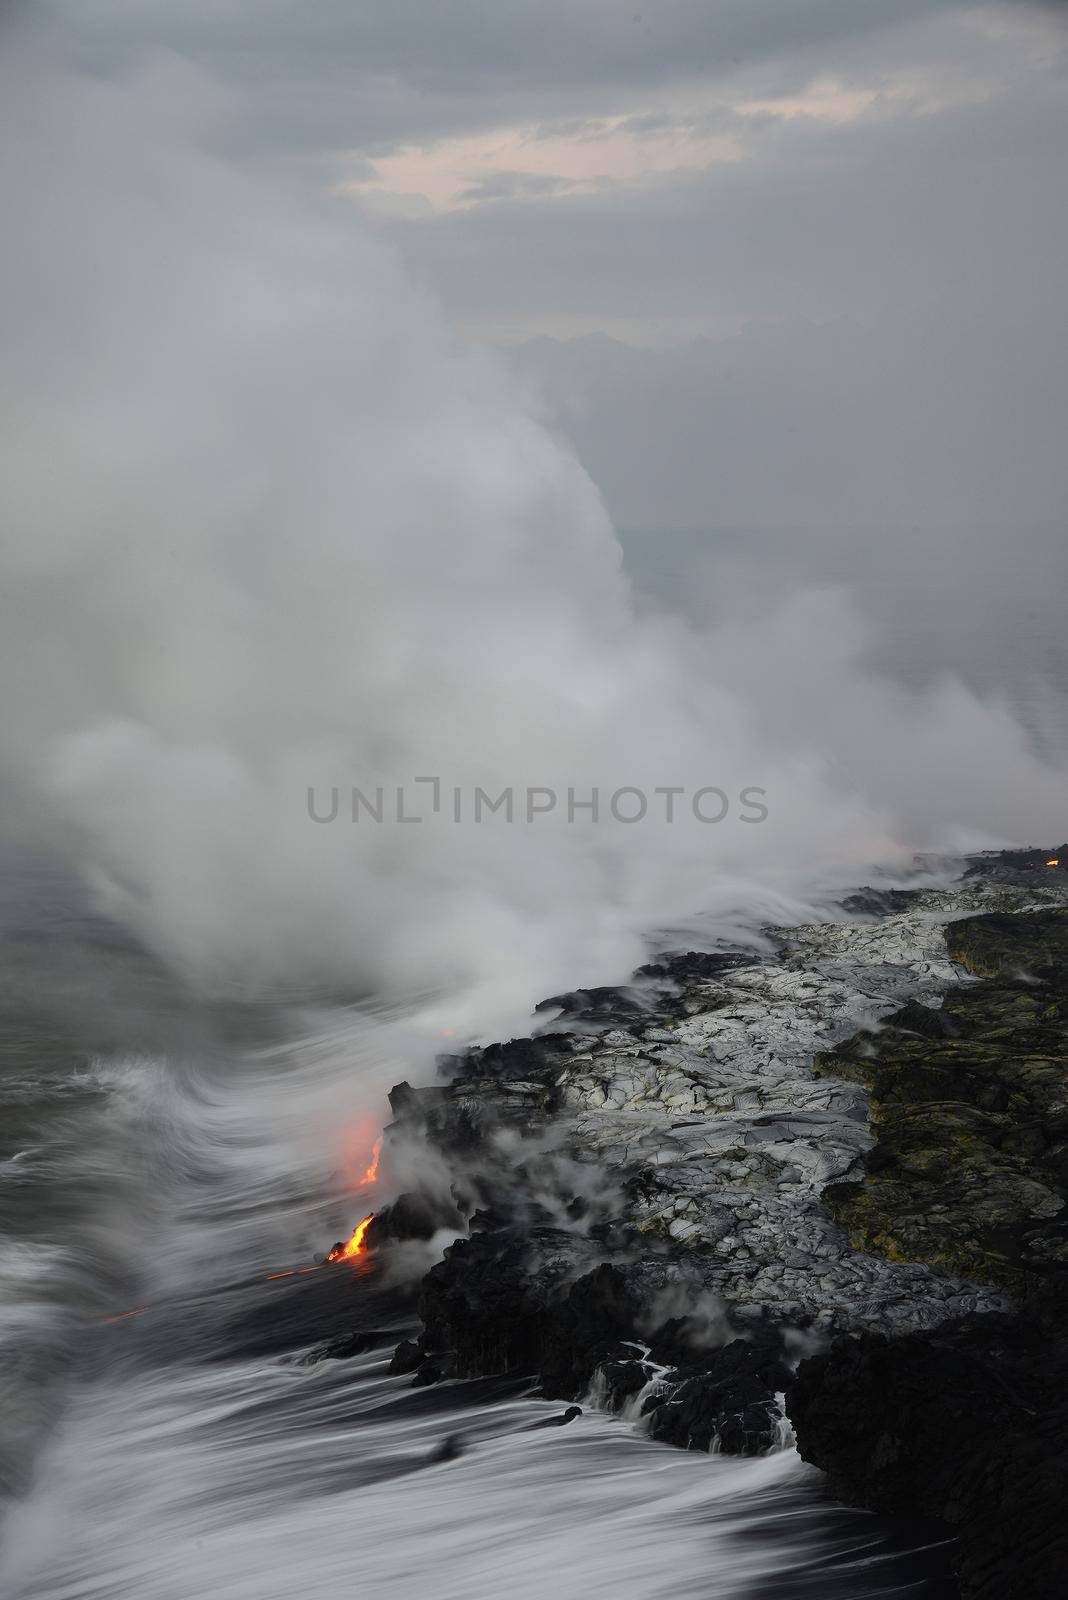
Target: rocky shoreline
822 1190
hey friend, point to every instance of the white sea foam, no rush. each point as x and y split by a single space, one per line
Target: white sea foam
202 1482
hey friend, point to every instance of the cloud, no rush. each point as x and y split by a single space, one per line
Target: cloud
335 75
857 320
521 162
517 185
819 219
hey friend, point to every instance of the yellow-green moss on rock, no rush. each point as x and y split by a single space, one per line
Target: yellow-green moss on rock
970 1108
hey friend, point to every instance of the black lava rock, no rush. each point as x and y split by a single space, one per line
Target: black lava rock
582 1327
869 902
693 966
406 1357
969 1425
411 1216
607 1006
730 1397
513 1301
556 1422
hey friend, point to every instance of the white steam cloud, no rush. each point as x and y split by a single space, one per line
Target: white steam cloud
267 526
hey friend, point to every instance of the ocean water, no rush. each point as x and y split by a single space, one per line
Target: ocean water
165 1435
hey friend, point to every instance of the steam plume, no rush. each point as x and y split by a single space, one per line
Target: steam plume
268 526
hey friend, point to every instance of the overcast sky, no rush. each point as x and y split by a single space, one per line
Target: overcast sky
771 262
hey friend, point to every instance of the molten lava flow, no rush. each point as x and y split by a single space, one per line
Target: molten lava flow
355 1246
1054 861
372 1172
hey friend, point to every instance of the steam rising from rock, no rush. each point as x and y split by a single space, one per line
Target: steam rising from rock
268 526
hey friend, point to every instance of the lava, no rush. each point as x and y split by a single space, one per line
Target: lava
354 1246
1054 861
372 1171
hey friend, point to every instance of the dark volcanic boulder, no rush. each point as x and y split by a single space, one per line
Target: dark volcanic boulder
515 1301
622 1376
968 1425
581 1326
729 1399
411 1216
407 1357
478 1303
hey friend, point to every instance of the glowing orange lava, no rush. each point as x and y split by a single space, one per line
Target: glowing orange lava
355 1246
1054 861
372 1171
